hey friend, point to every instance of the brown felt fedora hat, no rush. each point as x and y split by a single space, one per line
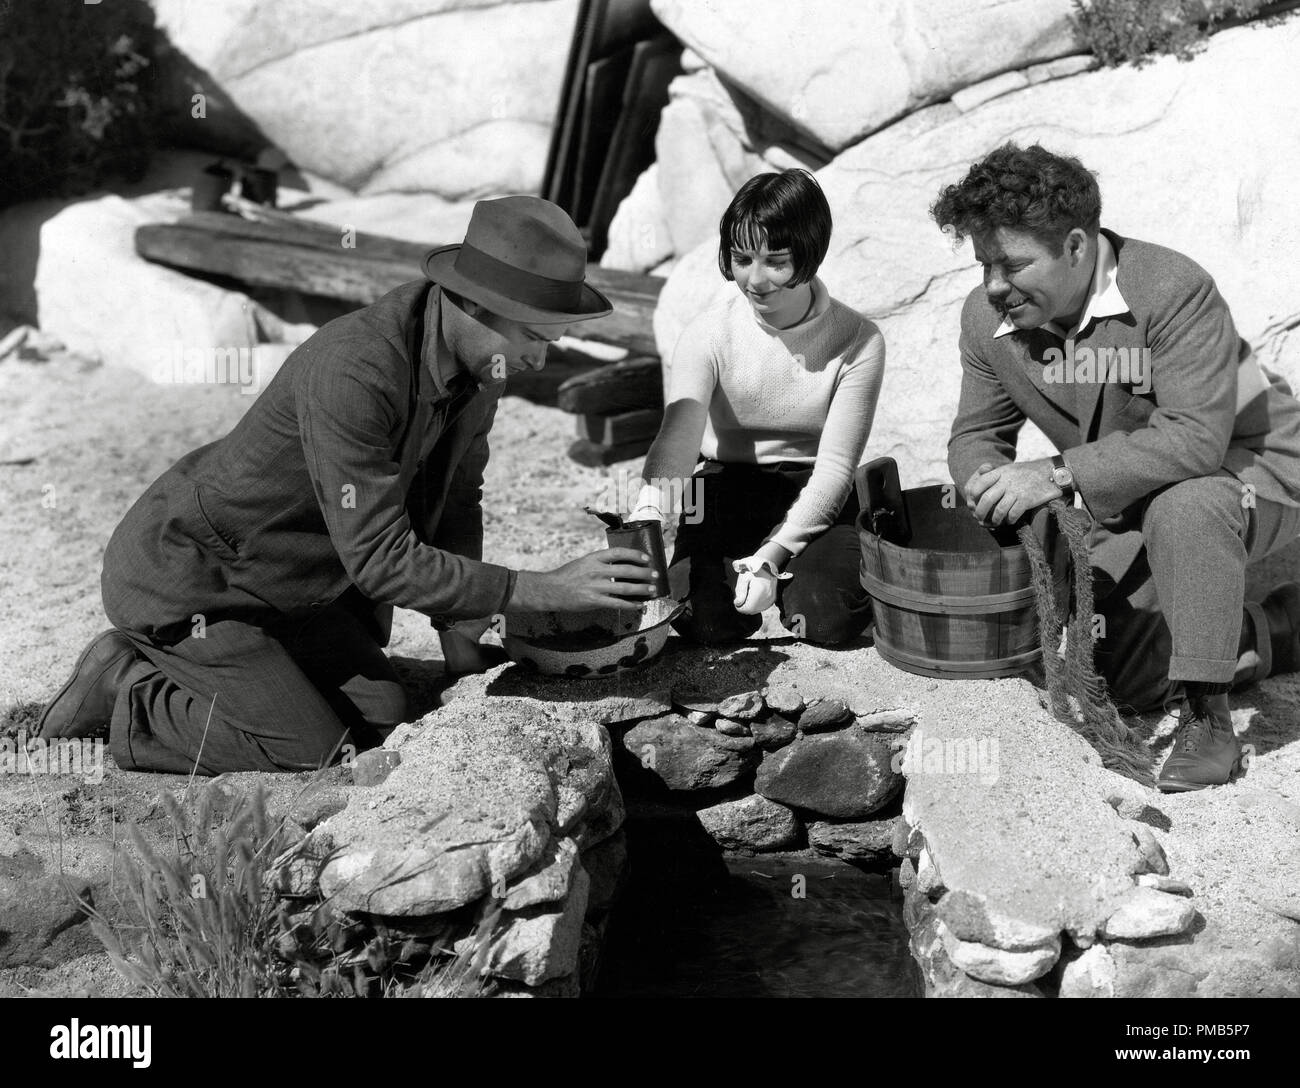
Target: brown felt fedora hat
522 258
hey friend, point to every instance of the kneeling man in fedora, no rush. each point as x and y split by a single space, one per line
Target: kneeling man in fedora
1185 453
251 586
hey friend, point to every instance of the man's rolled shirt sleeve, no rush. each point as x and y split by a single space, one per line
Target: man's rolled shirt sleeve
350 424
988 420
1193 360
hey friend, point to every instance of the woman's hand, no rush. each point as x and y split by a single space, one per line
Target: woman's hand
759 574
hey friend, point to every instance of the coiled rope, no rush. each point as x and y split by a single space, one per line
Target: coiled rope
1077 695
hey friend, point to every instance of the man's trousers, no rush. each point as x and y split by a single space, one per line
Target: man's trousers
289 695
1176 613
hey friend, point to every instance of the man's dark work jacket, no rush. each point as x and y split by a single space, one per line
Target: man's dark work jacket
356 466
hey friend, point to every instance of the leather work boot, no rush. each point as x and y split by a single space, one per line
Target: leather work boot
83 707
1206 751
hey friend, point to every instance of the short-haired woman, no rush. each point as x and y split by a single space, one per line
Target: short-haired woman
776 389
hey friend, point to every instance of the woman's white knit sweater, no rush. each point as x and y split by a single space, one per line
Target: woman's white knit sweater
743 391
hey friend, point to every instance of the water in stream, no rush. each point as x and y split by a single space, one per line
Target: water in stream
694 922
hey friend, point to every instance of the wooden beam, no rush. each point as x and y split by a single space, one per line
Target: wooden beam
622 427
284 251
619 387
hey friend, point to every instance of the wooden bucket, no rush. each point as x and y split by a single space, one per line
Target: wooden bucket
957 601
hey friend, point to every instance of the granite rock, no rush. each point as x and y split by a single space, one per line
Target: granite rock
751 823
773 732
1144 913
732 728
541 943
689 757
847 774
372 767
824 716
785 700
744 707
1090 974
855 840
997 966
548 881
848 69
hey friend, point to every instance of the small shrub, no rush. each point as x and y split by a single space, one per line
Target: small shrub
207 921
76 102
1130 31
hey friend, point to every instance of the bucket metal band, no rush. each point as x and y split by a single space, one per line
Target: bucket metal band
938 667
917 601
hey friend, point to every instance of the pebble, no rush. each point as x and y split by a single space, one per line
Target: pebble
998 966
1164 884
731 728
773 733
1152 853
887 721
689 701
1145 912
372 767
1090 975
824 715
785 699
744 707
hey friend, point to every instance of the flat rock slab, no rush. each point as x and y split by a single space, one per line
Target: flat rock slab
472 806
855 840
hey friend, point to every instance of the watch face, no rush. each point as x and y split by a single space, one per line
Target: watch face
1062 477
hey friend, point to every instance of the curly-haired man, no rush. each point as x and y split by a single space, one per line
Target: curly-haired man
1185 453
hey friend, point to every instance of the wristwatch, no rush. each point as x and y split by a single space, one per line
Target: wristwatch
1063 478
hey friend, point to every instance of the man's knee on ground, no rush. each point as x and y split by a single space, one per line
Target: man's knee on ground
1186 504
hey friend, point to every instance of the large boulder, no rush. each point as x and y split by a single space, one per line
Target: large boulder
103 300
1176 165
840 71
639 237
392 96
711 140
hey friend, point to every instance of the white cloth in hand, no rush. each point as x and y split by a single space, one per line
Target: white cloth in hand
649 505
756 586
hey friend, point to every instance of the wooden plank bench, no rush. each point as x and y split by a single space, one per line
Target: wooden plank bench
282 250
